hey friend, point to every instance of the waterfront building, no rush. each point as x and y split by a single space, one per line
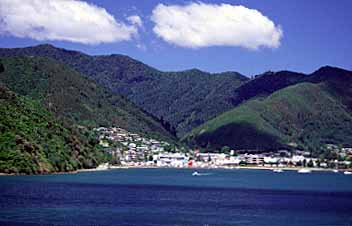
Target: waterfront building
171 159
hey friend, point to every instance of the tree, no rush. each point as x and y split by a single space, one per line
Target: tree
168 126
299 163
2 68
209 158
150 158
318 163
225 149
208 147
310 163
170 148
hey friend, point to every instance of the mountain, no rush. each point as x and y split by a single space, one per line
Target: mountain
72 97
265 84
32 141
315 110
273 110
338 82
184 99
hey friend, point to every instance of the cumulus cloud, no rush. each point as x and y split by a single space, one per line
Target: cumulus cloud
65 20
199 24
135 20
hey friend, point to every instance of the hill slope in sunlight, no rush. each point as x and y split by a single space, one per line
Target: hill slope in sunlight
33 141
313 112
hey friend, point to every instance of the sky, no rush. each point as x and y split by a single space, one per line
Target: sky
247 36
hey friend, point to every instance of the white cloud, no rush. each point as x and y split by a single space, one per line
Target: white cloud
135 20
65 20
141 46
198 25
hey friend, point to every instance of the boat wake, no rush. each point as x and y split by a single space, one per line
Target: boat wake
200 174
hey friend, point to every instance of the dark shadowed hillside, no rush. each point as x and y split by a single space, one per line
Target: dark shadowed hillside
265 84
338 82
185 99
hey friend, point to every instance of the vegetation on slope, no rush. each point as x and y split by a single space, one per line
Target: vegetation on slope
183 99
187 99
266 84
32 141
306 114
71 96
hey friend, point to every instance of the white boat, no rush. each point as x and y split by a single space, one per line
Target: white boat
335 171
304 171
278 170
195 173
347 173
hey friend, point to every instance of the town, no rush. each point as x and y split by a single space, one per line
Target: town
133 150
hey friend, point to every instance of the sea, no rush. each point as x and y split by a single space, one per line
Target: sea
175 197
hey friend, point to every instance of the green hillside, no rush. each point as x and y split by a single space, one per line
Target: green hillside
305 114
270 111
32 141
184 99
71 96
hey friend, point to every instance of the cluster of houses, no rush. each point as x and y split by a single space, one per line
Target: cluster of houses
131 149
267 160
126 147
216 160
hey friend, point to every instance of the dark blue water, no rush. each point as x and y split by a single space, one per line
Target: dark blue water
174 197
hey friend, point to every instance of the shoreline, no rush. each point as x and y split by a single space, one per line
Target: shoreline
218 167
194 168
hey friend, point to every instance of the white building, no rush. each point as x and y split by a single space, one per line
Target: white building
254 159
212 157
171 159
232 161
271 160
297 158
132 145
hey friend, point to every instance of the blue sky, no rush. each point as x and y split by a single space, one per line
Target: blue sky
314 33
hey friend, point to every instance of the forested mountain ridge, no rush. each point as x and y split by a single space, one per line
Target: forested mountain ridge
71 96
272 110
184 99
314 111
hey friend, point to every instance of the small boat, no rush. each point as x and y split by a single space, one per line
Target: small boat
278 170
195 173
347 173
304 171
335 171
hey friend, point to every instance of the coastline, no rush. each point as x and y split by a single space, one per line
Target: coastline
218 167
195 168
